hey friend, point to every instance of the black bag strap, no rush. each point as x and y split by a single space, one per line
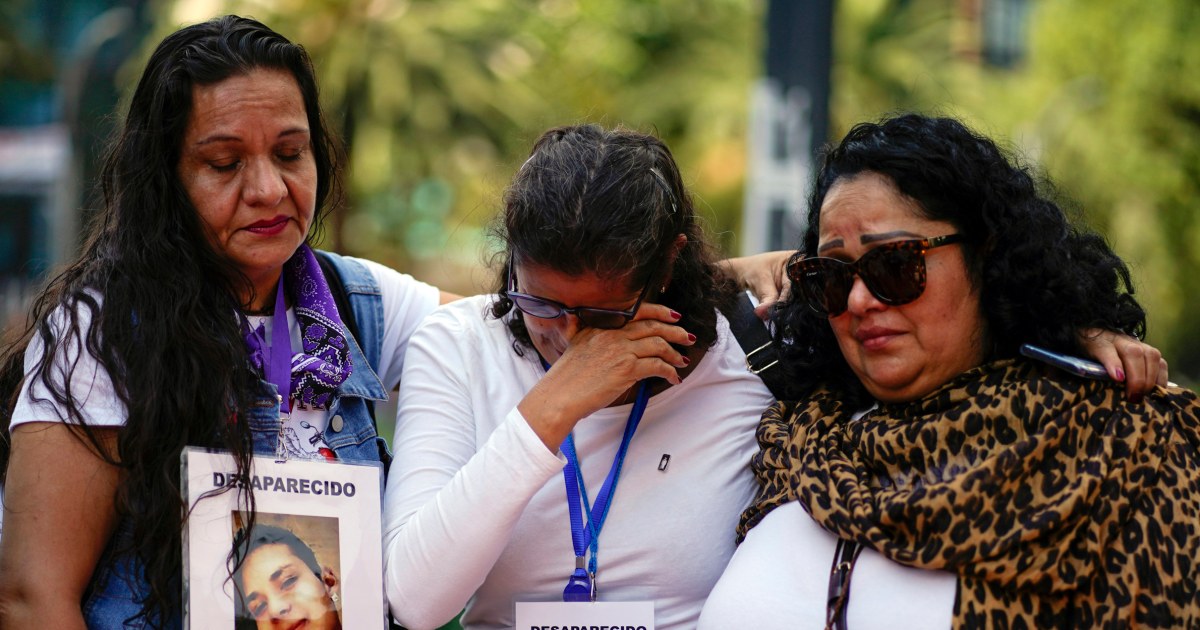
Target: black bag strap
338 289
838 603
762 356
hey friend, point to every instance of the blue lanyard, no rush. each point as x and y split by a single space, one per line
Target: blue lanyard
581 585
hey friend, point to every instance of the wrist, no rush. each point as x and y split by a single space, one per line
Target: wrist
551 419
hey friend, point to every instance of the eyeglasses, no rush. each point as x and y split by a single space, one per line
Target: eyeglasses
893 272
589 316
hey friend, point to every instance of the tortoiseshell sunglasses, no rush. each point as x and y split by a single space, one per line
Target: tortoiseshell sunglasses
893 272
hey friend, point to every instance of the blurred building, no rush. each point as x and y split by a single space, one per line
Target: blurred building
58 67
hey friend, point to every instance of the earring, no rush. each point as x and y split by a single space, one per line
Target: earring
663 289
333 597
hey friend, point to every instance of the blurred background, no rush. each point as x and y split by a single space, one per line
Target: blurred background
439 102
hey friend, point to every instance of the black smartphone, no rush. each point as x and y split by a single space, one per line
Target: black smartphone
1074 365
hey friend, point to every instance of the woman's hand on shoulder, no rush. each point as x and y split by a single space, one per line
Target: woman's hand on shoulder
600 365
59 513
1139 365
765 275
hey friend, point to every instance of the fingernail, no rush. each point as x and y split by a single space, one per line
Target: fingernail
687 361
675 315
1120 375
1136 399
691 337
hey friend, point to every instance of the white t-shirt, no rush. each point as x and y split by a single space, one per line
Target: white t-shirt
406 301
475 512
779 578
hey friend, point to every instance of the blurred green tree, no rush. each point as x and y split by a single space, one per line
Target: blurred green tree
1120 129
440 101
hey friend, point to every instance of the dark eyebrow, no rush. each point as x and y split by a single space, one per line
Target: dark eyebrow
837 242
293 131
223 138
869 238
278 572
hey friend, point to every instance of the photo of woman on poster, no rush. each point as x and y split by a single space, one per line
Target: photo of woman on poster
278 579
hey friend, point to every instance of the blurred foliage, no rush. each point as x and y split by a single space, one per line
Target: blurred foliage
439 102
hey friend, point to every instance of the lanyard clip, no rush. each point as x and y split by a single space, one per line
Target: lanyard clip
579 587
281 452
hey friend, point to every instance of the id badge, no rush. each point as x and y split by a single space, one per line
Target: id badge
584 615
323 516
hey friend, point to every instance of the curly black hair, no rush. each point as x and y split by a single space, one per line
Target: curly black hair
610 202
160 300
1040 279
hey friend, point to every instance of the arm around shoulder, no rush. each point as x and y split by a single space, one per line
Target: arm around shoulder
765 275
59 513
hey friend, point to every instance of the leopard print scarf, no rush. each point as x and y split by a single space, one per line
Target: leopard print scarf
1056 502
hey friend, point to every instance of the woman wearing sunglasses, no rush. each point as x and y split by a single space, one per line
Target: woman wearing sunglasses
931 476
586 431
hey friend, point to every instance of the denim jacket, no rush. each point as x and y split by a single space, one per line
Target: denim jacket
113 596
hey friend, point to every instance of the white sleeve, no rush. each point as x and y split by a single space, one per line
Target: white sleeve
406 302
87 382
452 502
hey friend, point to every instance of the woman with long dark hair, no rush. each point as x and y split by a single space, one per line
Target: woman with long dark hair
195 280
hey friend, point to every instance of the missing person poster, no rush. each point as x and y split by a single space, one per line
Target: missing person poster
311 557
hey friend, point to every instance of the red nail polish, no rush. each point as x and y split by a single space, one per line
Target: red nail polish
1120 375
687 361
1136 399
691 337
675 314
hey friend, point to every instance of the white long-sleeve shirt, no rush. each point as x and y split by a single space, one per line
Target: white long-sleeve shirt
475 513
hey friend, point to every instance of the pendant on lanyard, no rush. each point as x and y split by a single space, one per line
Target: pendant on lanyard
581 585
280 370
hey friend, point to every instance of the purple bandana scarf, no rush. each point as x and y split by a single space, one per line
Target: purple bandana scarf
324 361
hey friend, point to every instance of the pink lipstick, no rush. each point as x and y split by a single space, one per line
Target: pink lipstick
268 227
875 337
